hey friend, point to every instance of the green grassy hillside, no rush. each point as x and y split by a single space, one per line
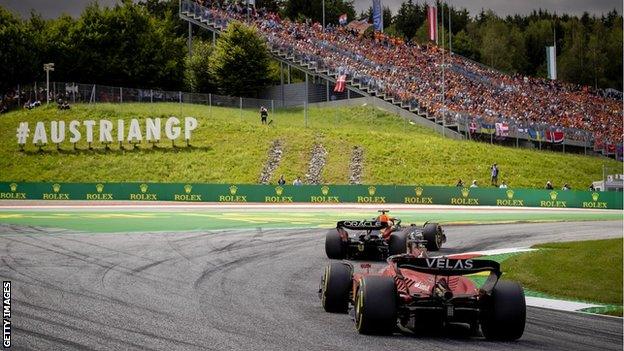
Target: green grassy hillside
231 147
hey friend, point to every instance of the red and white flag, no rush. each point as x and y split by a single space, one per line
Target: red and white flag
342 19
432 19
502 129
341 83
473 127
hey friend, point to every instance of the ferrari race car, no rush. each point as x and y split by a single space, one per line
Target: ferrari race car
378 239
419 293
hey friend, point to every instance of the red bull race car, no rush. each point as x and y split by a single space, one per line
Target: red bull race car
417 292
379 238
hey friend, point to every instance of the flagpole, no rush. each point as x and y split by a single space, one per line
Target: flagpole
450 32
323 15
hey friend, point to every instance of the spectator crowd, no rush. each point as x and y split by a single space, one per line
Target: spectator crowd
411 73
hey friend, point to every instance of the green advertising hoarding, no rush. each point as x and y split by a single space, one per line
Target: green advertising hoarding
373 194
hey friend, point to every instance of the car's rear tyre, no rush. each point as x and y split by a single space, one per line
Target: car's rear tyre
335 287
504 312
335 248
376 305
432 232
397 243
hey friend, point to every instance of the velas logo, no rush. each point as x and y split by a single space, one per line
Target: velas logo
13 195
100 195
144 194
509 201
56 193
553 202
324 197
188 195
418 199
324 190
232 197
371 199
465 198
188 188
594 203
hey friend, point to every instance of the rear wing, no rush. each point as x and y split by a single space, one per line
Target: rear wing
360 225
450 267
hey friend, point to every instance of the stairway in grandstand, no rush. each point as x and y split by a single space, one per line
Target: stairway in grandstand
415 114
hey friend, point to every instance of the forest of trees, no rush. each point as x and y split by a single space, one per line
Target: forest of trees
144 44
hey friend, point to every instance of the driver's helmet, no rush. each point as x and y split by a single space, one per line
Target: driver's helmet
383 218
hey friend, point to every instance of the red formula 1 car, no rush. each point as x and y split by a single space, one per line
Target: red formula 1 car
379 238
420 293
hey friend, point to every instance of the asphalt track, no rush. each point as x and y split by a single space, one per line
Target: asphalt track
238 290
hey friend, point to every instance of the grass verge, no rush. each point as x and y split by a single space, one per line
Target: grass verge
230 146
585 270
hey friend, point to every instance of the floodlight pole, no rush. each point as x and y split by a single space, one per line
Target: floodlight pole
48 67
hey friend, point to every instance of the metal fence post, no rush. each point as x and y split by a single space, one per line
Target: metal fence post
241 108
210 104
74 87
272 107
19 101
120 94
305 113
151 95
180 96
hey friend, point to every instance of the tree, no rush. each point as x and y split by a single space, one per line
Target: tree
409 18
197 75
16 54
537 36
464 45
240 62
296 9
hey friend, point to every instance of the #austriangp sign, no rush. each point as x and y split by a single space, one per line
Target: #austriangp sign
106 131
369 194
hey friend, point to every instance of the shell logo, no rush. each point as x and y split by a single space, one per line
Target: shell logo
143 187
233 189
99 187
371 190
418 191
510 194
56 187
325 190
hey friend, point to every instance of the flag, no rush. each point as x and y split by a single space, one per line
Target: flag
473 127
377 16
598 144
341 83
432 19
551 61
502 129
618 152
611 148
342 19
488 128
554 136
535 134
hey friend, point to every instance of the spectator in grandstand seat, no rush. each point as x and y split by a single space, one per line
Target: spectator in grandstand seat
503 185
566 187
549 185
494 174
297 181
474 184
460 183
281 181
264 113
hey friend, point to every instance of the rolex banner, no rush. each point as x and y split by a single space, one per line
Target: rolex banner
371 194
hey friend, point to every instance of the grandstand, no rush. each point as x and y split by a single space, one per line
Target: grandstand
479 102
